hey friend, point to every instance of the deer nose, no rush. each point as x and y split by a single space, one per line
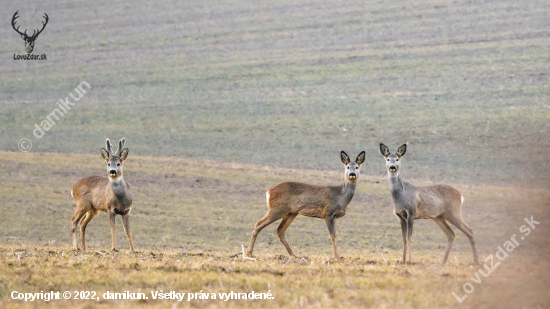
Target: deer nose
112 172
392 168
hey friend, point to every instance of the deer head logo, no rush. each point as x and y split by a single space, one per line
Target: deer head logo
29 40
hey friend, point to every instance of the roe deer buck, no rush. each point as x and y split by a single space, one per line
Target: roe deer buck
111 195
440 203
289 199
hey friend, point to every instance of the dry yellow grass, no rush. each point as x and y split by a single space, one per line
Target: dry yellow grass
190 216
315 281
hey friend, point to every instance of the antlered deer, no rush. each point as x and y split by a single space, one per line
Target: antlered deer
289 199
440 203
109 194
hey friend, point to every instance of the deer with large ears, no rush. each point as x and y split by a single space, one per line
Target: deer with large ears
109 194
289 199
440 203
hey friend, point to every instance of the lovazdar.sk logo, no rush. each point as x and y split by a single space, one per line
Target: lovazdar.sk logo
29 39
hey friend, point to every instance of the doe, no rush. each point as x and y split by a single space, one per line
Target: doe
109 194
440 203
289 199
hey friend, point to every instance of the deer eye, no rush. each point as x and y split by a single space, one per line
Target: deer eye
108 164
396 159
388 160
348 167
118 164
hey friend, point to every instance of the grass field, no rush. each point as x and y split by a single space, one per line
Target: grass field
288 83
219 101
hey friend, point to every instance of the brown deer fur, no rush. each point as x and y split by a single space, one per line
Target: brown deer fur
440 203
108 194
289 199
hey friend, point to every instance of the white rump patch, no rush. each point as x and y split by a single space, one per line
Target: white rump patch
72 193
461 199
267 197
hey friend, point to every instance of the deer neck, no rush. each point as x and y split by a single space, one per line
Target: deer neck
117 185
347 189
396 184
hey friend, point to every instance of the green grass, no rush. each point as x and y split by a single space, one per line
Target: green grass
289 84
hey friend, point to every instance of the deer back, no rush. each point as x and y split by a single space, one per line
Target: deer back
102 194
437 200
307 200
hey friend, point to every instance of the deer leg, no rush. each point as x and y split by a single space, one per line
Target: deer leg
285 223
404 234
79 213
444 226
402 215
410 221
332 231
89 215
461 225
112 217
126 224
269 218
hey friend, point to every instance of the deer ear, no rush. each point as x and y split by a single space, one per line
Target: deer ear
124 154
105 154
384 150
401 150
360 158
345 158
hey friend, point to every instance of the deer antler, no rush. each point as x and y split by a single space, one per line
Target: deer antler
35 33
13 24
120 146
109 147
43 26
